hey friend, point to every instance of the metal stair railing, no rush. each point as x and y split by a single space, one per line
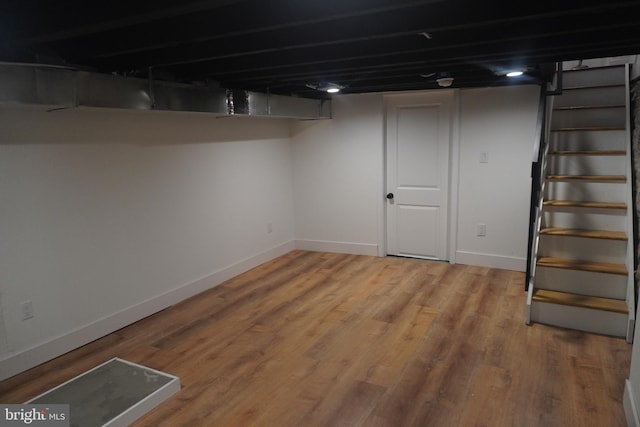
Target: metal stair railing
538 181
537 199
538 168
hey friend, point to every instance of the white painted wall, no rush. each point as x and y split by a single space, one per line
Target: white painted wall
631 396
338 177
502 123
108 216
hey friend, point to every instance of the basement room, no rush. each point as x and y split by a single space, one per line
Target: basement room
364 213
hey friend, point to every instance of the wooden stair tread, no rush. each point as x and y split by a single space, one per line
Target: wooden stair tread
589 153
594 178
574 264
593 86
588 129
576 300
576 204
589 234
587 107
592 68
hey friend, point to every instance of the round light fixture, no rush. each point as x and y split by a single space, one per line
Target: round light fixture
326 87
514 74
445 81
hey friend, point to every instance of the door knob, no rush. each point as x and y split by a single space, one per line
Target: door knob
390 196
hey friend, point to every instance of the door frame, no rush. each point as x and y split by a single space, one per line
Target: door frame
454 165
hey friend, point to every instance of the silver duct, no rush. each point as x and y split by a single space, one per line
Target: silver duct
55 87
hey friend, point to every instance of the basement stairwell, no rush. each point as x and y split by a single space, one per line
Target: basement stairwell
581 264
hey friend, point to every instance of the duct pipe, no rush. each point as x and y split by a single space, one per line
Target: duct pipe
55 87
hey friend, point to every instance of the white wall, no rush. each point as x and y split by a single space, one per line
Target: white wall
338 177
339 170
502 123
631 396
108 216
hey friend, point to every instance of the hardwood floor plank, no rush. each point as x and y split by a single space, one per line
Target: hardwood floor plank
588 386
392 349
549 403
483 408
322 339
356 405
395 307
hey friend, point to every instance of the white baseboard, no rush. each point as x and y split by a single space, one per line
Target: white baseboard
27 359
630 410
493 261
339 247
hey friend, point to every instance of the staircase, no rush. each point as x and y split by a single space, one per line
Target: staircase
582 252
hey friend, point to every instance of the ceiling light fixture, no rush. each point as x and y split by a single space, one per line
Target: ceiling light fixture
514 73
445 81
326 87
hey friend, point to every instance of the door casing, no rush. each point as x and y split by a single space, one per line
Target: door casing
454 151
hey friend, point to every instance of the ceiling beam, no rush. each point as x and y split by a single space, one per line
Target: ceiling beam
375 31
361 53
311 13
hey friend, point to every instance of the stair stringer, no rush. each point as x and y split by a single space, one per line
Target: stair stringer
585 283
630 262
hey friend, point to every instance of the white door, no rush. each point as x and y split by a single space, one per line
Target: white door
418 139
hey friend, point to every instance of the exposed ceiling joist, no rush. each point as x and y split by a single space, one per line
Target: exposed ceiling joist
285 45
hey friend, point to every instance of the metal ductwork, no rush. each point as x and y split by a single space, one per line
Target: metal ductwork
54 87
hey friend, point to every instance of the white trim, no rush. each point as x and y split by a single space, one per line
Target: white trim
454 171
339 247
454 176
629 404
382 226
382 181
493 261
382 222
29 358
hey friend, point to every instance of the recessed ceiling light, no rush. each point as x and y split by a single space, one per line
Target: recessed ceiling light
445 81
514 74
326 87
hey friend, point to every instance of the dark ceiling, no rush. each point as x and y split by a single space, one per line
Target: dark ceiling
281 46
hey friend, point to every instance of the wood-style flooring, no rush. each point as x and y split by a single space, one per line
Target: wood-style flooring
321 339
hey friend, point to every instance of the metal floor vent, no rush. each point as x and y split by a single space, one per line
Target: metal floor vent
115 393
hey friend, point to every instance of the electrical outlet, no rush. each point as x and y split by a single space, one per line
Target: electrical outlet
484 157
481 230
27 310
269 227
